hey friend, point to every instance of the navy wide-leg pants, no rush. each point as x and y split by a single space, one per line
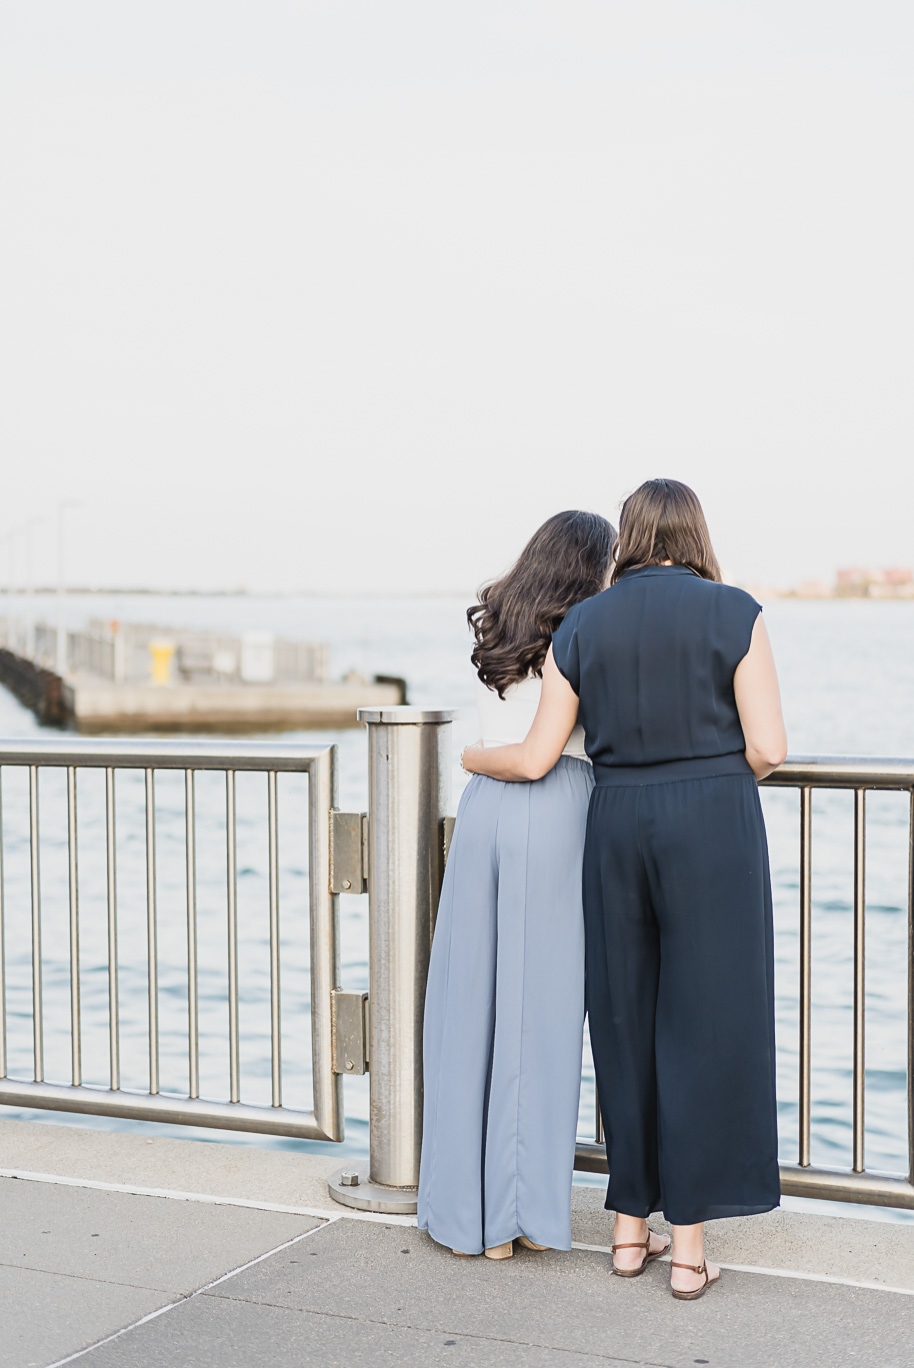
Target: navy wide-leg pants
679 986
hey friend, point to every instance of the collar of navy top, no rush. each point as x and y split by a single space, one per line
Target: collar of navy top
639 571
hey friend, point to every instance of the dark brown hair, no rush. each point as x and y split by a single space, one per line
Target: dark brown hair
663 521
564 562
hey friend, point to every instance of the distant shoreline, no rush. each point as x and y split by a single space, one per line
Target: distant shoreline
790 596
46 591
84 591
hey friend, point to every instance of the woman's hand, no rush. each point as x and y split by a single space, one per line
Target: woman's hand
466 757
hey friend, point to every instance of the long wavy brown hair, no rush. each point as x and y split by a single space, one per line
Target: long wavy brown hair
565 561
663 521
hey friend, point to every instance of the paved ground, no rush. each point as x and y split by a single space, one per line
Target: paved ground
202 1284
77 1264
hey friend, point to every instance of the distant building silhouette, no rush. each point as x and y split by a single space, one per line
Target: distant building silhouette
856 582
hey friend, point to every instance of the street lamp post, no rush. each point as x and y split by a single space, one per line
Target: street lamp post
29 591
15 589
9 638
61 662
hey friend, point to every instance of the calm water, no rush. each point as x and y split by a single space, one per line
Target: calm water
847 672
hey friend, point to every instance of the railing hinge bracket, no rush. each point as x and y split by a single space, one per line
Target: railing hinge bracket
349 1032
348 852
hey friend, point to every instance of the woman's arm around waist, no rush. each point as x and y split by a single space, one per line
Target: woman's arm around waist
556 718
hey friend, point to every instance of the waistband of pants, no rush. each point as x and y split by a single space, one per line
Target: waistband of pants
669 771
574 760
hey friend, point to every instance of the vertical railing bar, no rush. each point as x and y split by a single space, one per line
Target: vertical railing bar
37 1004
152 952
190 846
859 975
75 1016
323 798
911 989
2 947
231 869
275 1022
113 1010
805 972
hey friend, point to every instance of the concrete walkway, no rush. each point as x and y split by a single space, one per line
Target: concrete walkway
242 1261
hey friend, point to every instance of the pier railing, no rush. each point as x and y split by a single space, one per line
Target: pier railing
75 757
805 1179
397 857
396 853
122 653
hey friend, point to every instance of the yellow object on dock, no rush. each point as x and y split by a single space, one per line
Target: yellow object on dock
162 653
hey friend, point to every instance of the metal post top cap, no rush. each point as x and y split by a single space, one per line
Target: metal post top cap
404 714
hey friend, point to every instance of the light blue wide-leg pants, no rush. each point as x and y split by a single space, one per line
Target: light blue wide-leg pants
504 1015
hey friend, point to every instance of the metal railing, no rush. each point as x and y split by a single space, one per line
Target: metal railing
804 1179
325 1120
408 788
398 857
120 653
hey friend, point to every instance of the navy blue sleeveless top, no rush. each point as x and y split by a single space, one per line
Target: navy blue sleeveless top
652 661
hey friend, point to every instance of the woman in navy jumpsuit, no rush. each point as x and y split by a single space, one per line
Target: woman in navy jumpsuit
677 899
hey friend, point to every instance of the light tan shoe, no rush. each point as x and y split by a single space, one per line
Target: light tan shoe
528 1244
505 1251
461 1254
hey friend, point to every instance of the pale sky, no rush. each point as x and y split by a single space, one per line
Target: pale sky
351 295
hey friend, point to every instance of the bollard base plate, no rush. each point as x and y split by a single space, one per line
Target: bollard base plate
369 1196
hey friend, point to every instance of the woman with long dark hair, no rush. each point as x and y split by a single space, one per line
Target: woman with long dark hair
672 675
504 1008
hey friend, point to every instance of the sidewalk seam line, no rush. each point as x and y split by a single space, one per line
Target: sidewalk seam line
211 1199
181 1301
436 1330
85 1277
776 1273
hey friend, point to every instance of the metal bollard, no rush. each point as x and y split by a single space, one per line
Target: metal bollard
409 784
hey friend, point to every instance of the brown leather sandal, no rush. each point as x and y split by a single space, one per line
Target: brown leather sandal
648 1256
699 1291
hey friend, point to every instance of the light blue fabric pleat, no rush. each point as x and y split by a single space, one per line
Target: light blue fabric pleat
504 1015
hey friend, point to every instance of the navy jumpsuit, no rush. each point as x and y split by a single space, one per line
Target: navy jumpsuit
677 898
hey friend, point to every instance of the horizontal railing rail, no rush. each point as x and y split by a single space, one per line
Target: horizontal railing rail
325 1120
804 1179
399 853
120 652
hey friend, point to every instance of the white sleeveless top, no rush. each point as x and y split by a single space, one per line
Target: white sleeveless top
505 721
